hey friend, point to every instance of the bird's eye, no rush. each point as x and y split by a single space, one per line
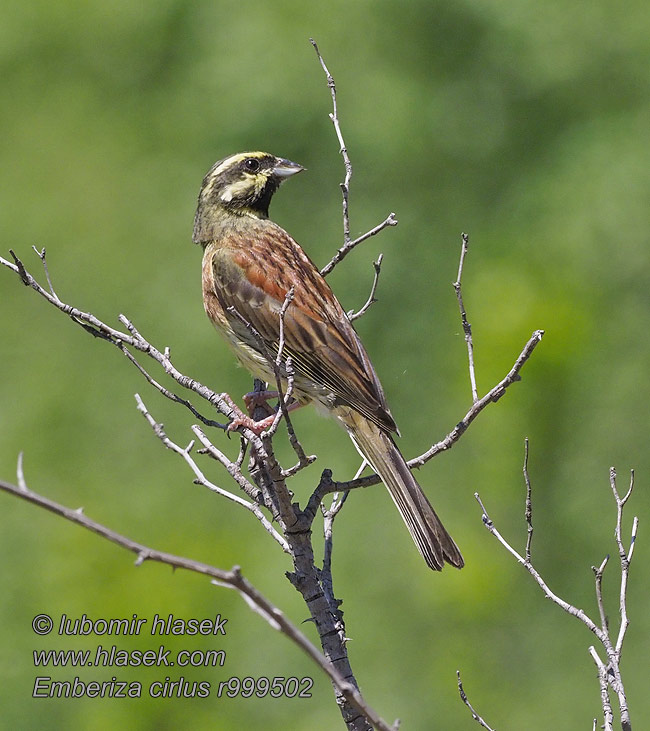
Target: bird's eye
252 165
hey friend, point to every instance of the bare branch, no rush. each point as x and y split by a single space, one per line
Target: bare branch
288 299
285 399
625 556
609 673
329 515
623 593
347 247
233 468
352 315
232 578
467 328
281 372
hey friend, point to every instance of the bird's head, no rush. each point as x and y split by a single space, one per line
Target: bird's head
243 184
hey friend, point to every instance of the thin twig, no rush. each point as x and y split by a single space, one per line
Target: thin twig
233 468
614 652
232 578
467 328
334 116
326 576
608 720
41 256
625 556
352 315
528 514
285 399
20 472
464 698
348 244
598 576
288 299
347 248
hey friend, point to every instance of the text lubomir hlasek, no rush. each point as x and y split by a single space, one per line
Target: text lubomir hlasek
160 625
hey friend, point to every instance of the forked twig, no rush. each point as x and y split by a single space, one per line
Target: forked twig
609 671
391 220
41 256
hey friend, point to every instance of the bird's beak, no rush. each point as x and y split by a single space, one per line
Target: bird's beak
285 168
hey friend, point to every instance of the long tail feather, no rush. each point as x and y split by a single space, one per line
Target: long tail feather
428 533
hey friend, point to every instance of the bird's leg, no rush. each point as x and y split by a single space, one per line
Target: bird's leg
252 400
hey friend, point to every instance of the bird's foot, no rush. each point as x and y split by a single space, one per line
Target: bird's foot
257 427
253 400
239 418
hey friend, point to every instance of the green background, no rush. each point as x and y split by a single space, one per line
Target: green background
524 124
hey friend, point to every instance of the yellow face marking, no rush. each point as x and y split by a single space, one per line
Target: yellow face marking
234 159
248 182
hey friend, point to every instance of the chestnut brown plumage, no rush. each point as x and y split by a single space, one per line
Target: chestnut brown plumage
249 265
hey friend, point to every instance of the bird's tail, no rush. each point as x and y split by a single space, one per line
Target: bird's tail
428 533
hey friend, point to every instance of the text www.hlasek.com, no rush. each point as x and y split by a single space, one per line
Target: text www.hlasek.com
112 656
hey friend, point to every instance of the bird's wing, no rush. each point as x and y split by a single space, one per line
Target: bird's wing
324 347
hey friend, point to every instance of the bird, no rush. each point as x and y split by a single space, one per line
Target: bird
249 266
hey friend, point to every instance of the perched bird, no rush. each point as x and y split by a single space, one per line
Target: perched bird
249 265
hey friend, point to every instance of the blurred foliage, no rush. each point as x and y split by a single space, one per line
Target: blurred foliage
524 124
